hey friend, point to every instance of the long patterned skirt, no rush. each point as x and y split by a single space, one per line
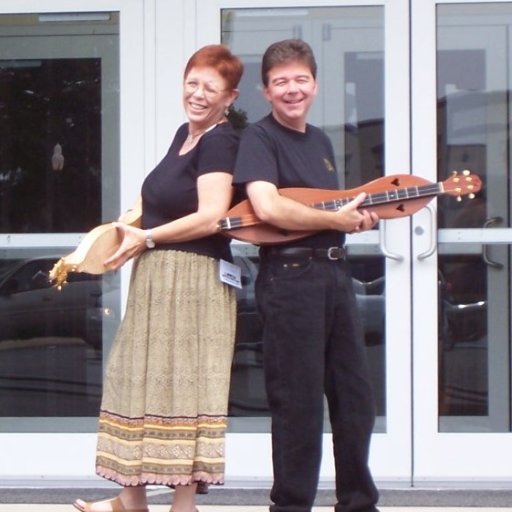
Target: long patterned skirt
164 410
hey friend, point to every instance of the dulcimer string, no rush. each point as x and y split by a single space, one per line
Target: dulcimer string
372 199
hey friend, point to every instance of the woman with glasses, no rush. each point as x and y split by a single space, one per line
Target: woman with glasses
163 416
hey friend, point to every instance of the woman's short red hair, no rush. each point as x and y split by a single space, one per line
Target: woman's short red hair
220 58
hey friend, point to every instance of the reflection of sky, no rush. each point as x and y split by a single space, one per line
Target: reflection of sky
466 118
364 86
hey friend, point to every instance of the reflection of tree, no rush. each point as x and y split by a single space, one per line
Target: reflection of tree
47 103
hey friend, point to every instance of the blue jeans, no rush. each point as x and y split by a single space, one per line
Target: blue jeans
314 346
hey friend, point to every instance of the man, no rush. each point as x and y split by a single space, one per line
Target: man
313 341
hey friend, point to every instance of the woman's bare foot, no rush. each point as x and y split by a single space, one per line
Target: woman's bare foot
184 499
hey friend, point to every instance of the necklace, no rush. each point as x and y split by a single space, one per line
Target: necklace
191 137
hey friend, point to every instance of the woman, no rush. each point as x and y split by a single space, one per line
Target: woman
164 407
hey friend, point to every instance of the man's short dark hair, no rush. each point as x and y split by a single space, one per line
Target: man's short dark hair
283 52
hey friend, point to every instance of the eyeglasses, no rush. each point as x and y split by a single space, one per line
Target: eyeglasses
192 86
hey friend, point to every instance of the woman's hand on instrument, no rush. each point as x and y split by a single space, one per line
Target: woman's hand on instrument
133 243
355 219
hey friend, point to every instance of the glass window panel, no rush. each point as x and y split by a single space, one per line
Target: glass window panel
59 173
472 98
247 393
348 44
473 83
51 339
463 335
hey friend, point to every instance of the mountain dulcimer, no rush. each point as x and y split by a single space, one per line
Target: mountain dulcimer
391 197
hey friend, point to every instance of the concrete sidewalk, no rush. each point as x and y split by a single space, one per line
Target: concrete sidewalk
468 498
152 508
225 508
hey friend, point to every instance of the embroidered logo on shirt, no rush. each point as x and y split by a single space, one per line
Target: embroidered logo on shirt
328 165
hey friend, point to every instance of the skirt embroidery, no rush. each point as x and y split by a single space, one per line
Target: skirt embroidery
163 417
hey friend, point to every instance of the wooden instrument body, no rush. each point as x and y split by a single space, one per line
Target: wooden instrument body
97 245
391 197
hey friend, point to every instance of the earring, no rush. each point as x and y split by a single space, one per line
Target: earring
227 110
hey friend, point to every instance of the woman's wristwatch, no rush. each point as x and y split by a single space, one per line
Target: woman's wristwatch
150 243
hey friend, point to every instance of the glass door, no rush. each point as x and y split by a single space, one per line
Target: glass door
461 120
352 107
60 159
60 176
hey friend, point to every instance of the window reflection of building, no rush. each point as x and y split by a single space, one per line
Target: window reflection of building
471 124
364 118
49 100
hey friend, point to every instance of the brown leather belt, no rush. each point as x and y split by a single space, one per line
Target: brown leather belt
330 253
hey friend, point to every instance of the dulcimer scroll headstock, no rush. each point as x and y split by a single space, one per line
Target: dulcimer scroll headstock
460 184
96 246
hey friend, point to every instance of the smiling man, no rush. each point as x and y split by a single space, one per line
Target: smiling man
313 341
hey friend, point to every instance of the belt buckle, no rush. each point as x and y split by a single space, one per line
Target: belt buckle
334 253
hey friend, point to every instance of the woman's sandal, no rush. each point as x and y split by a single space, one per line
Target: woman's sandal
116 504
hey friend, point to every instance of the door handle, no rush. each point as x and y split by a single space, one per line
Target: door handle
485 247
382 243
433 234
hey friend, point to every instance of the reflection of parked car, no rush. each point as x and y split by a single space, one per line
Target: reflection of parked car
247 394
371 302
463 335
31 307
463 302
248 324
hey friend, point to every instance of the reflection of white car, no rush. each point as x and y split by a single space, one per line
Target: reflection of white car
31 307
